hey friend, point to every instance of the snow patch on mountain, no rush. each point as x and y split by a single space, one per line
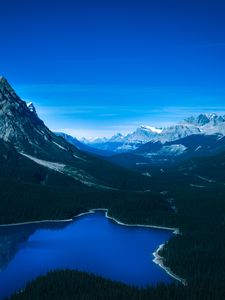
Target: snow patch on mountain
48 164
197 186
31 107
127 147
61 147
198 148
80 158
170 150
153 129
173 150
147 174
206 179
76 173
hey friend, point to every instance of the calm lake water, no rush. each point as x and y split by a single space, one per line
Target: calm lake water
90 243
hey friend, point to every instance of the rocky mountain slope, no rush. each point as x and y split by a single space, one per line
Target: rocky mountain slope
21 128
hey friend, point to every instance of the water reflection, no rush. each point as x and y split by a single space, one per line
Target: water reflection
12 236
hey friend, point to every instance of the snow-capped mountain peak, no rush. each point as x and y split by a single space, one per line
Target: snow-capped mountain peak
202 124
151 128
31 108
141 135
208 123
118 137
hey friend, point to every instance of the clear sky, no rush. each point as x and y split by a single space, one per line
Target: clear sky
94 67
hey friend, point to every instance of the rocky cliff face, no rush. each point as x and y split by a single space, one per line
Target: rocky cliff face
18 125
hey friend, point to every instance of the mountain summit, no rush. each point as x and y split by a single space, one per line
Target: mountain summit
18 124
5 86
21 126
204 119
208 123
32 108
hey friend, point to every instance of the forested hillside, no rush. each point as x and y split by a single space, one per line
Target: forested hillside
196 254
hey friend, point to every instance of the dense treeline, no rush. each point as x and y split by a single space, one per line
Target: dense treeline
29 191
21 202
199 253
74 285
68 285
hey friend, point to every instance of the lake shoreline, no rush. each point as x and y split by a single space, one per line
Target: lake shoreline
157 258
175 230
45 221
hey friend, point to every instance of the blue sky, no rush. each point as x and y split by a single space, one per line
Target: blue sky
93 68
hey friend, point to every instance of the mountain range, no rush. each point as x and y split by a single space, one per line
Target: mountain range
204 124
26 136
200 136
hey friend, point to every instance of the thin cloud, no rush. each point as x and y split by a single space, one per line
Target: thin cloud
199 46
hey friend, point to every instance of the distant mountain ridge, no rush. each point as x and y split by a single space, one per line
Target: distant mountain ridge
82 146
204 119
207 124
